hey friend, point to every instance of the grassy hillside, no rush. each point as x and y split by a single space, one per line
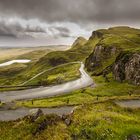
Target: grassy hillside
96 117
94 121
42 60
18 73
123 37
118 51
57 75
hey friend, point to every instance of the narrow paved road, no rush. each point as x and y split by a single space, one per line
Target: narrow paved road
129 103
50 91
9 115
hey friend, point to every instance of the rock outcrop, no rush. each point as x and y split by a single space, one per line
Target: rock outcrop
127 68
79 41
96 34
124 65
35 114
102 57
132 137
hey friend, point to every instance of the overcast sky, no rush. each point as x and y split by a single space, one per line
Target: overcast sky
48 22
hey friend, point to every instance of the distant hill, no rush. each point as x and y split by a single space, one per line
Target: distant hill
113 51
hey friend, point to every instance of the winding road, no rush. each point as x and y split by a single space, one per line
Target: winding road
44 92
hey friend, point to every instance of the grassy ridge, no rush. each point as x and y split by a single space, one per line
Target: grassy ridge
122 37
57 76
40 62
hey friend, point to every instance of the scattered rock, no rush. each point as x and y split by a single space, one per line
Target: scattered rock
64 117
35 114
132 137
41 127
68 121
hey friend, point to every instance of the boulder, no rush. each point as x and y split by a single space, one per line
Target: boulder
132 137
35 113
68 121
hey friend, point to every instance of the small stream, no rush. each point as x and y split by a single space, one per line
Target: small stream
14 61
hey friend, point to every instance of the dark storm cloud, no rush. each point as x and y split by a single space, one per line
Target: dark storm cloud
60 31
15 29
73 10
36 29
9 30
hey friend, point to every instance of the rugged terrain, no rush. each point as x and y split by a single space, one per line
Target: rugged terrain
112 58
118 51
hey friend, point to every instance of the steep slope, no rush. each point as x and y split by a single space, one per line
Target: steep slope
42 60
118 51
78 52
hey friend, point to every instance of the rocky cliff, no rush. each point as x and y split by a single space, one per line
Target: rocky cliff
101 58
117 53
127 68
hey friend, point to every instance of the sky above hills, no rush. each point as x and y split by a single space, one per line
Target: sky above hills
49 22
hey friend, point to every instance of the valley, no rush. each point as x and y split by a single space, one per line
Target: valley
95 76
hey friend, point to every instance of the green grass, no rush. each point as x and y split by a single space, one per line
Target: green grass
13 74
96 121
58 75
42 61
1 104
104 121
113 42
97 117
24 129
103 90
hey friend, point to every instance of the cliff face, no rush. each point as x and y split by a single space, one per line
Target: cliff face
101 58
127 68
96 34
116 53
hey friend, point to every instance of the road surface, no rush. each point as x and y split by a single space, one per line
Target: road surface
129 103
50 91
10 115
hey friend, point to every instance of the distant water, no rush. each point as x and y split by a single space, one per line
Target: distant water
14 61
